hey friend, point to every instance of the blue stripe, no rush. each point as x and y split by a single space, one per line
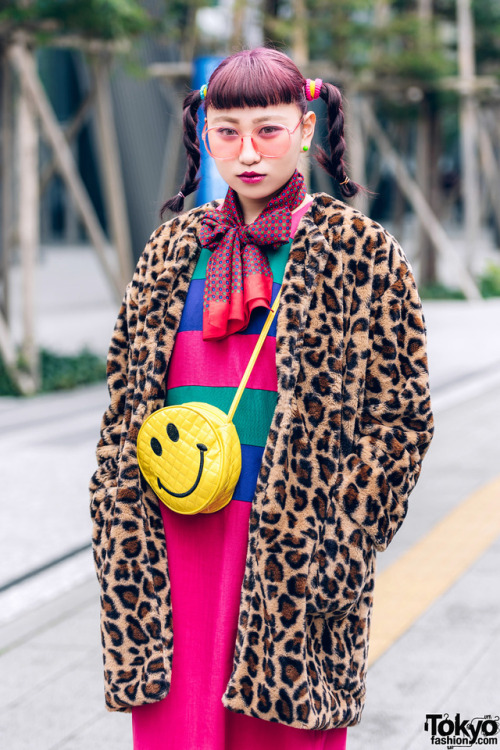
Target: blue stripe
251 459
192 315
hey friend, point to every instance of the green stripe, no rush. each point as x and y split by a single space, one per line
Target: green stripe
277 261
252 418
200 271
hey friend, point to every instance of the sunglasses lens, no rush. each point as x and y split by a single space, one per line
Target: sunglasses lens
271 140
221 144
226 143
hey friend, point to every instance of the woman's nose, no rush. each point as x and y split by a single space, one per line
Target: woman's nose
248 153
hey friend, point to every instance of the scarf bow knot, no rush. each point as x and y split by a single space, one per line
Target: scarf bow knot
239 277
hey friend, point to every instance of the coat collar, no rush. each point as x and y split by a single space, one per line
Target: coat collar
307 258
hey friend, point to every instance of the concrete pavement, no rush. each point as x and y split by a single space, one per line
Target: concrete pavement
448 662
50 662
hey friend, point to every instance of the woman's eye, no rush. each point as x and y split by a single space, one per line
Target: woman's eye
270 130
227 132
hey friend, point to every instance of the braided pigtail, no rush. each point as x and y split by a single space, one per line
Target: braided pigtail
334 163
192 145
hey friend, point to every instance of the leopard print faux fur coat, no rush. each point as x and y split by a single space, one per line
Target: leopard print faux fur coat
351 427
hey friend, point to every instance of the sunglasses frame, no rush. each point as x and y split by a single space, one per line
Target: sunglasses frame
206 131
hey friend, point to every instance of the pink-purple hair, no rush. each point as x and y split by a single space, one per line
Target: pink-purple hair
258 78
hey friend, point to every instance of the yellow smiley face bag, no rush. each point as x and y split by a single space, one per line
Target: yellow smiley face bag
190 455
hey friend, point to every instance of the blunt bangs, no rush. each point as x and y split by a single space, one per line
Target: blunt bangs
255 78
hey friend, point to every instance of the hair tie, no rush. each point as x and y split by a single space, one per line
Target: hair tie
181 194
313 88
203 91
345 181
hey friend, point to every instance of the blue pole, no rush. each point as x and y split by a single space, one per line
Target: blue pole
212 185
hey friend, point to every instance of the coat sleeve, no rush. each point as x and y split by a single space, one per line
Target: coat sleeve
103 484
111 423
395 423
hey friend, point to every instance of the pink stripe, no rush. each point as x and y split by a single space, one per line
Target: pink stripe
221 363
296 217
206 565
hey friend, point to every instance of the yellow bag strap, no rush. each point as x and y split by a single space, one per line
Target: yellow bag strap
255 354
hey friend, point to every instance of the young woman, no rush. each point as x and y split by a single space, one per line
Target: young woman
248 627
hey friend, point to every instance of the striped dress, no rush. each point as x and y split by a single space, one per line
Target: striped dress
207 552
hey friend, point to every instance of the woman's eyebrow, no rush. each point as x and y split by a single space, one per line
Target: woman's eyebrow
225 118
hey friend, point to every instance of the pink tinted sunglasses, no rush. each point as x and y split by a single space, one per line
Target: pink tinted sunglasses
271 140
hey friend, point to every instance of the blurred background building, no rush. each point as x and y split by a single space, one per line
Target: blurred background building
91 145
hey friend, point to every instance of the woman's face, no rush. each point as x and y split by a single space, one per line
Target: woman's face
275 172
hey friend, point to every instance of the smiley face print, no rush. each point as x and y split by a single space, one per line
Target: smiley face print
157 448
181 455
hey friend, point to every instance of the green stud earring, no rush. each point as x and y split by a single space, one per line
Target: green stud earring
305 148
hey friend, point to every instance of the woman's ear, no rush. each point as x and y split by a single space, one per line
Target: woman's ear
308 125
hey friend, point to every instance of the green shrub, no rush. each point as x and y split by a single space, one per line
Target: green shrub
7 385
440 291
59 372
489 281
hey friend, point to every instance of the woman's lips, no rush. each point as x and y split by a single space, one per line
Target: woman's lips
251 177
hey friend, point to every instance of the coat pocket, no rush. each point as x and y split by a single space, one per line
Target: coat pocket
339 566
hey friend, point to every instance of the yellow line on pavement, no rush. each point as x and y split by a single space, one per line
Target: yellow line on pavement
406 589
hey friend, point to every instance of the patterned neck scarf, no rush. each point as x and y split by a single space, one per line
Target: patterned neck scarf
239 277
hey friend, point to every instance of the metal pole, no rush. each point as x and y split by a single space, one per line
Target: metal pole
356 151
29 223
426 166
6 177
212 185
468 128
111 168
